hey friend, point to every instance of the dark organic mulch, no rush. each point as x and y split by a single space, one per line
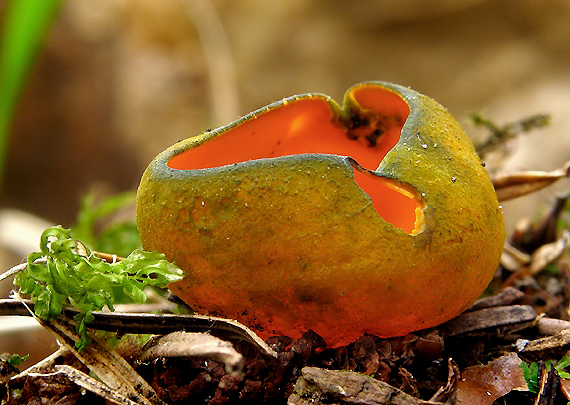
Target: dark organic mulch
57 389
265 379
416 364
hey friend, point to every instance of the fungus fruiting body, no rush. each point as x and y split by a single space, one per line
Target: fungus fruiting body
374 217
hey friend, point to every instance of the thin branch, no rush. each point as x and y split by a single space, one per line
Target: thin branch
90 384
501 134
154 323
20 267
108 257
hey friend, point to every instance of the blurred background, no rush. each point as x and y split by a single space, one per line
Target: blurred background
116 82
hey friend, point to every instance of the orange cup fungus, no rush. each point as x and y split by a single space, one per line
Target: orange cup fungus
374 217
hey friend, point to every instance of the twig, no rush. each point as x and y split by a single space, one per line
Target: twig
90 384
47 363
108 257
20 267
502 134
506 297
550 326
154 323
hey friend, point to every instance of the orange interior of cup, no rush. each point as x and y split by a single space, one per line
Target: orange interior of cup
309 126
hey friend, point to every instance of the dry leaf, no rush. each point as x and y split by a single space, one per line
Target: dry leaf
482 385
513 259
546 231
549 253
513 185
184 344
88 383
448 392
159 324
565 388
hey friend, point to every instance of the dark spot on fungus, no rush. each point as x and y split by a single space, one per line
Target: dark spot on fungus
374 136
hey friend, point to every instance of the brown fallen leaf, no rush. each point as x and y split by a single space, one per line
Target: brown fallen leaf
185 344
547 254
565 388
513 185
112 369
87 383
482 385
366 353
513 259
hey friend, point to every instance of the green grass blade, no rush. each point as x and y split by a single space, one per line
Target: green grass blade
24 28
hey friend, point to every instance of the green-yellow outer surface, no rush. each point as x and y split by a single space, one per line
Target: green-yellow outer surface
293 243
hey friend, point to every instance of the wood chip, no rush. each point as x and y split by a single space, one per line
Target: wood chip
318 386
551 326
488 318
505 297
550 347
